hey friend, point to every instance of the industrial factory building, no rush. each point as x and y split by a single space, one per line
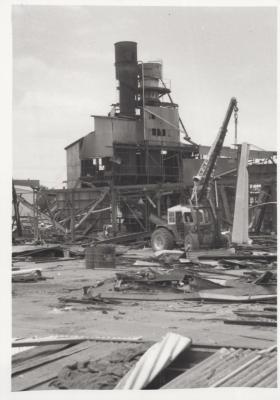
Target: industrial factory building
143 154
139 141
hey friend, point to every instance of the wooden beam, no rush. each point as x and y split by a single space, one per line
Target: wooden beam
135 216
250 322
101 198
38 361
31 207
45 373
125 238
48 207
91 226
74 340
33 183
225 203
261 314
37 351
240 228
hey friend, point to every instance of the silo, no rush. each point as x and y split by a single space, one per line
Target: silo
126 74
153 87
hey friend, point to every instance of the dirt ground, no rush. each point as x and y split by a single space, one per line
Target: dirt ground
38 312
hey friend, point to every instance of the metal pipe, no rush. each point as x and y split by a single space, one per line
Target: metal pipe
187 137
126 74
263 204
235 126
143 98
216 194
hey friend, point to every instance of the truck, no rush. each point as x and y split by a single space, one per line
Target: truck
195 225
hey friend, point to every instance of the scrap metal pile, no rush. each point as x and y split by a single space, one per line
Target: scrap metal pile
244 278
213 276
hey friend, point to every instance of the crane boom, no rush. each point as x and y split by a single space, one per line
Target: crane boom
201 180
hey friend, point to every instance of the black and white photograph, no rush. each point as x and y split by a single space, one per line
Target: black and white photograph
143 198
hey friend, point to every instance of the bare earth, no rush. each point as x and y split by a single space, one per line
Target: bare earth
37 312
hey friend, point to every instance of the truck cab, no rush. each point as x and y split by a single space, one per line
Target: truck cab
192 227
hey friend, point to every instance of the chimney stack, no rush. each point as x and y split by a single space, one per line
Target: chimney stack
126 74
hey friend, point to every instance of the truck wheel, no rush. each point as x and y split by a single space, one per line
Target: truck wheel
191 242
162 239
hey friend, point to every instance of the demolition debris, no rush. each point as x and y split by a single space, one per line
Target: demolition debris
153 234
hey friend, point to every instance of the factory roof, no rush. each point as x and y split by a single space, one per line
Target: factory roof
114 117
76 141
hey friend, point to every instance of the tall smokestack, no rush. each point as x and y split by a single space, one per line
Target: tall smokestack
126 74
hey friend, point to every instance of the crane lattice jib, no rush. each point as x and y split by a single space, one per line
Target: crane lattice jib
201 180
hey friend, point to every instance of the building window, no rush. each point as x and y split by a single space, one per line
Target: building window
158 132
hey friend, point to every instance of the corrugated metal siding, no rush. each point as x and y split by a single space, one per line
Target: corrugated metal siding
156 358
191 166
73 164
261 373
256 373
168 114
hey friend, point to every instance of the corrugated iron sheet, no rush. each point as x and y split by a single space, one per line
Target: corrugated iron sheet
156 358
231 368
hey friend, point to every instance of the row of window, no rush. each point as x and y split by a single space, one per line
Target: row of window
158 132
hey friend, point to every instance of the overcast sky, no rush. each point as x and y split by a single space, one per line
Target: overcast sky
64 72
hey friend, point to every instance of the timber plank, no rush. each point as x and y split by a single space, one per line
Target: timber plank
74 340
45 373
29 354
261 314
30 364
250 322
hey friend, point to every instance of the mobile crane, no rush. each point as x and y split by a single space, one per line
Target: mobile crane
196 225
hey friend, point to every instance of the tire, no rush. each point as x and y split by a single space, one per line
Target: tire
191 242
162 239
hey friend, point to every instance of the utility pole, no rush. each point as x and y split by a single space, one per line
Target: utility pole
35 215
235 124
72 216
114 209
